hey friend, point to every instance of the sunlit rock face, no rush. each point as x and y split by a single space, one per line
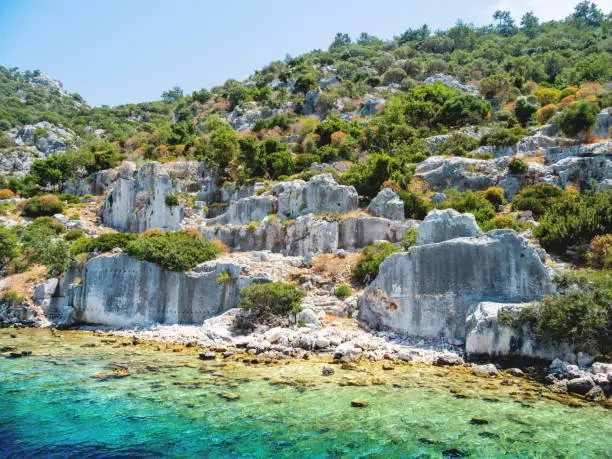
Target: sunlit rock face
431 289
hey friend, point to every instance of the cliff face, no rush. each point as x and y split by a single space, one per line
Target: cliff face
430 290
122 291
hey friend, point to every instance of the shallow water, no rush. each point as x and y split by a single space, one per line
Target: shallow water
51 406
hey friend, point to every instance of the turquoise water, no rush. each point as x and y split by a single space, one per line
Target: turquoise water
52 407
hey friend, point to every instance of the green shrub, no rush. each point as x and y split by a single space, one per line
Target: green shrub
517 166
12 298
171 200
469 202
457 145
501 222
37 237
580 316
537 198
495 196
43 205
577 118
575 220
225 277
415 204
504 137
524 110
73 235
175 250
271 299
464 110
410 239
342 291
305 83
70 198
370 259
103 243
57 257
9 246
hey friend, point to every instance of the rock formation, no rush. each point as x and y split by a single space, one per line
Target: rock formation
121 291
431 289
387 204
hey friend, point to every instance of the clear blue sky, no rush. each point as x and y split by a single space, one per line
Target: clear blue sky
121 51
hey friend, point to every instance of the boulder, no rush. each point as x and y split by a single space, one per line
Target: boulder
319 195
604 122
580 385
387 204
443 225
431 290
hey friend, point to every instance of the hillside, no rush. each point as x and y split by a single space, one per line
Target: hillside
446 190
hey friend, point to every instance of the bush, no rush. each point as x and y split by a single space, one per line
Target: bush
11 298
410 239
103 243
524 110
517 166
504 137
9 246
501 222
577 118
37 236
175 250
57 257
43 205
6 194
342 291
600 253
537 198
171 200
457 145
372 256
271 299
580 316
575 220
416 205
394 75
471 202
70 198
495 196
545 113
73 235
305 83
464 110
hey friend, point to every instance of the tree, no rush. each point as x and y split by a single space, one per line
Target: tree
225 146
172 94
237 94
340 40
9 246
524 110
305 83
464 110
578 118
506 25
587 13
530 24
271 299
414 35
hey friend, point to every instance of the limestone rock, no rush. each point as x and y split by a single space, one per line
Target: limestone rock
319 195
141 293
245 210
387 204
430 290
451 82
443 225
604 122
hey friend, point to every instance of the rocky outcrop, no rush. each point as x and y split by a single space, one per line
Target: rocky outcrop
443 225
319 195
96 184
137 201
48 138
245 210
141 293
387 204
451 82
430 290
495 330
604 123
309 235
18 162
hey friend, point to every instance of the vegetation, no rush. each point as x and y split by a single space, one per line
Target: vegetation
410 239
581 316
575 219
271 299
43 205
175 250
537 198
103 243
370 259
342 291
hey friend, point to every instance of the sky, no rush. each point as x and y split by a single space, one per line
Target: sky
114 52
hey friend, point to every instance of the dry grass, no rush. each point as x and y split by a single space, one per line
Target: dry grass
534 159
334 268
24 283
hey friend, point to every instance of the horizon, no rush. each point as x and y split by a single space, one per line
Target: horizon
131 64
